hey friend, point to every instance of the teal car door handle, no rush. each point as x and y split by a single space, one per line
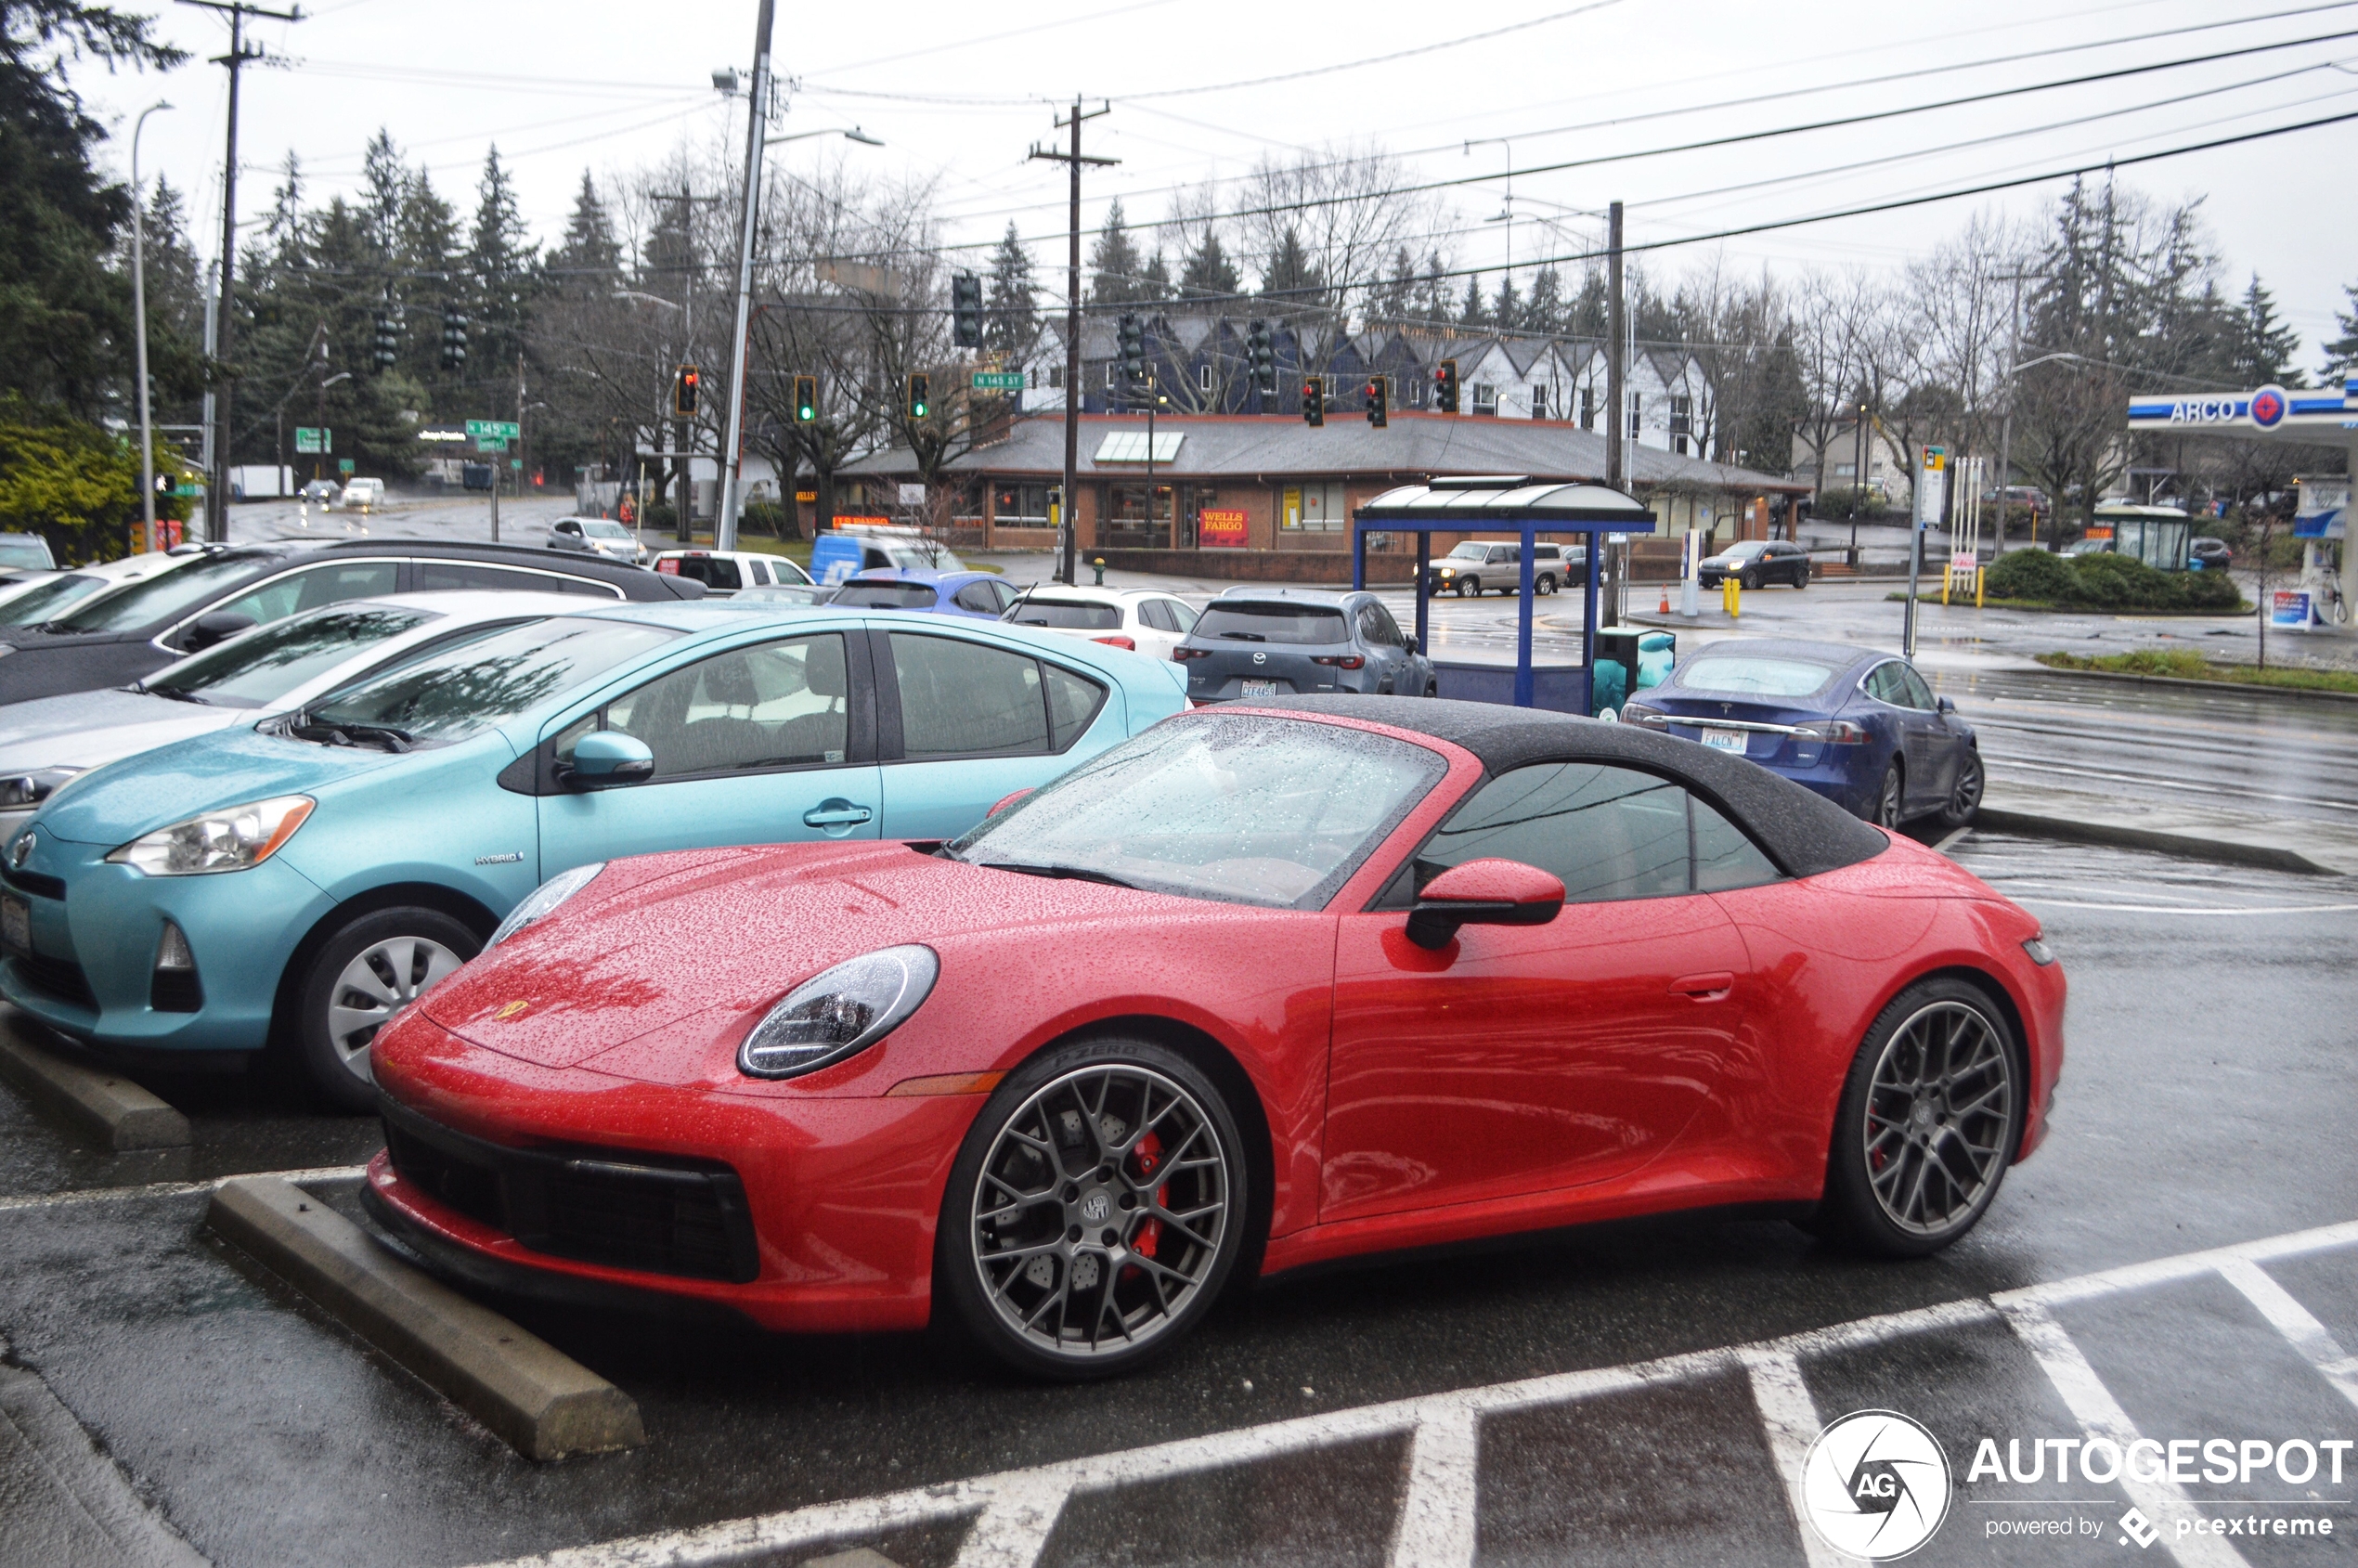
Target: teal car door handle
836 816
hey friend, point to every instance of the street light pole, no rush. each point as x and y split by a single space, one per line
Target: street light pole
1067 497
140 335
724 525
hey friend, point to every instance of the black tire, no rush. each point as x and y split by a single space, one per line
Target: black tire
1751 581
1889 807
1965 795
1100 1103
1930 1117
1546 585
407 951
1469 585
1801 576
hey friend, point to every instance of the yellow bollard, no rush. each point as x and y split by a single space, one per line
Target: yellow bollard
1731 596
1945 572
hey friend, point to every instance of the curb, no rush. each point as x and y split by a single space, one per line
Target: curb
2075 831
542 1401
2201 685
117 1112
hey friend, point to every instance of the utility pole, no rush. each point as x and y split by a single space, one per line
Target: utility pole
1857 472
724 525
139 315
2007 418
217 479
1617 404
1068 496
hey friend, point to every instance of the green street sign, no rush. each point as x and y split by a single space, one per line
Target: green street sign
491 444
515 462
497 429
314 438
998 381
344 465
185 492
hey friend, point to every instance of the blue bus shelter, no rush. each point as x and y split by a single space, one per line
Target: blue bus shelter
1504 503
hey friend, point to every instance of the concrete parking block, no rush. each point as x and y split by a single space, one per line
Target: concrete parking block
539 1400
114 1110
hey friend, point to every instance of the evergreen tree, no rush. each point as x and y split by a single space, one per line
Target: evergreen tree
1011 321
2341 355
1544 312
1208 273
1432 291
386 180
1117 272
1394 299
1507 311
1291 279
2263 346
500 263
1155 283
1473 313
427 251
1591 313
589 252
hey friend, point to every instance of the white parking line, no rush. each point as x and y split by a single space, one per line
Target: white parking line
2296 1322
1016 1510
174 1189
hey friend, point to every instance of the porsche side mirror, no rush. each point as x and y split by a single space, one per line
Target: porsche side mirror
607 759
1484 892
218 626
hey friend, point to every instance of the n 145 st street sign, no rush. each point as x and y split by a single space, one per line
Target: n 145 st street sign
998 381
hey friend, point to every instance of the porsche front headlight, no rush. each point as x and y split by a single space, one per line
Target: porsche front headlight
543 900
233 838
839 1012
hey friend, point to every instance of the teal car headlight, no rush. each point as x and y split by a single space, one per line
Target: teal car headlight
233 838
542 900
839 1012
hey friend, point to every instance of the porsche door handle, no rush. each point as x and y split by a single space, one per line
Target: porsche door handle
836 814
1705 988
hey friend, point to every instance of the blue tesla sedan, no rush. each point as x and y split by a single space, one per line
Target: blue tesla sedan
300 880
1860 727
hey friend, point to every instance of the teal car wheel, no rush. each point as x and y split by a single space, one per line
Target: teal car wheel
358 978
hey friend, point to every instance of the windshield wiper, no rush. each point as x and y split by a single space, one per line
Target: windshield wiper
1065 872
174 693
1245 636
303 727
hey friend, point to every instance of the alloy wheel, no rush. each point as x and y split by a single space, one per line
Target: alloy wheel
1938 1108
1100 1210
1965 798
382 978
1888 803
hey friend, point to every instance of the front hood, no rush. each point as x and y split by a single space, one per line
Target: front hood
658 939
117 803
88 727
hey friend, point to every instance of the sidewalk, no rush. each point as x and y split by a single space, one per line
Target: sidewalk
2229 837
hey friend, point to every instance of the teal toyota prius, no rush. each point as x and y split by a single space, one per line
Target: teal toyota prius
295 882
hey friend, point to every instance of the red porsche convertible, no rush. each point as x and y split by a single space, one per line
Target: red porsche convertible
1258 988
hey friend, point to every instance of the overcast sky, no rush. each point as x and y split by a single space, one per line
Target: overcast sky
1200 89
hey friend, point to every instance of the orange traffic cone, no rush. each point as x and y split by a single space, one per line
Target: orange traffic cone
1665 599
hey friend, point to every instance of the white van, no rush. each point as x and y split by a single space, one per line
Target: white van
362 494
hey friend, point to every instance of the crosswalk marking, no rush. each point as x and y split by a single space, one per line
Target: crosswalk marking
1014 1514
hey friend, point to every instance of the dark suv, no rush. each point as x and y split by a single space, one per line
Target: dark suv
1272 642
114 638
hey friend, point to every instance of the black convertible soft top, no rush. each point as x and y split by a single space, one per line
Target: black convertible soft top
1804 833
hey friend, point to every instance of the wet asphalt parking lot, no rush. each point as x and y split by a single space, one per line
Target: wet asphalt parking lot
1633 1393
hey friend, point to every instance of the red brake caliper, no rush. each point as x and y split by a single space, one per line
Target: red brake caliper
1146 1155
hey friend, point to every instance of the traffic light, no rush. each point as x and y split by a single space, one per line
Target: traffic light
1134 353
388 346
685 385
806 399
454 341
920 396
1314 400
965 310
1260 359
1380 401
1445 386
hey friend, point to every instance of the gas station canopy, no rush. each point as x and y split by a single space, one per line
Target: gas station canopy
1504 503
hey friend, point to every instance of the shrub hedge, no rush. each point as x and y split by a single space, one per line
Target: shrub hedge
2106 582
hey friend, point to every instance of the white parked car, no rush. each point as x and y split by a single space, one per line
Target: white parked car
599 536
723 572
1152 622
45 599
270 670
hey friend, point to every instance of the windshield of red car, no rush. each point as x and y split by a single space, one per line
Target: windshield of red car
1313 624
1068 615
886 596
1243 809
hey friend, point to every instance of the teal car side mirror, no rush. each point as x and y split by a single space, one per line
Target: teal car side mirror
607 759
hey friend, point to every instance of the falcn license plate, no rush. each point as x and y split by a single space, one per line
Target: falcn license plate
1726 740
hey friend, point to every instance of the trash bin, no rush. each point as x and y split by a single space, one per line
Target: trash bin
1629 659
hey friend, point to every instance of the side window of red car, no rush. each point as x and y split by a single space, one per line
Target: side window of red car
1610 833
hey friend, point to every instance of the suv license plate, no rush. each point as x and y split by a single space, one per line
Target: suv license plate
1726 740
16 924
1258 688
